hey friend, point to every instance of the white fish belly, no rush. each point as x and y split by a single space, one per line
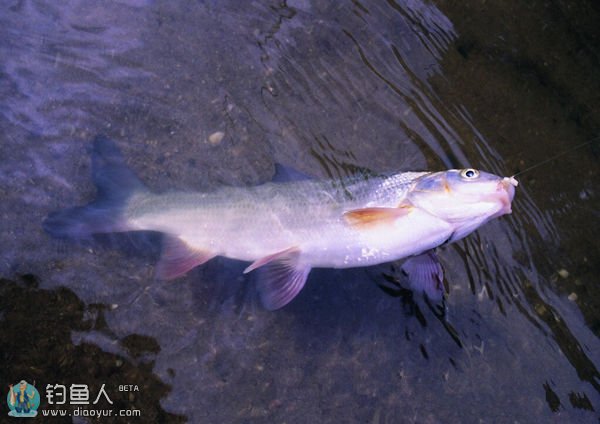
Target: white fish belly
345 247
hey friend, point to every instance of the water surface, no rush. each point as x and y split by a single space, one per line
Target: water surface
326 87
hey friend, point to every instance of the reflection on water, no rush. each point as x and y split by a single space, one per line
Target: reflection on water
329 88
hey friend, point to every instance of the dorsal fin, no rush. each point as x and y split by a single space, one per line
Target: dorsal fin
284 174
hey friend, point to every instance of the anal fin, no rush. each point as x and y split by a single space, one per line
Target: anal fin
178 257
280 278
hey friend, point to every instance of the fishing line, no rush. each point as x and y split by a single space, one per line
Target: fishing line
585 143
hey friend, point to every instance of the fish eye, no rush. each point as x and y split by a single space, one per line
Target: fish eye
469 173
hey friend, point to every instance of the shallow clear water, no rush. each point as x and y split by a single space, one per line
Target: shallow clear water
325 87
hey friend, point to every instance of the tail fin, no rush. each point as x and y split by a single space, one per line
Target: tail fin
115 184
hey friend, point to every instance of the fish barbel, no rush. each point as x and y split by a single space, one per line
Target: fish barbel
287 228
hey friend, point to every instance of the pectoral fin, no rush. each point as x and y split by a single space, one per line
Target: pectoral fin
367 217
178 257
425 274
281 278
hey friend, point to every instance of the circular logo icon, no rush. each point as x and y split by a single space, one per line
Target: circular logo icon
23 400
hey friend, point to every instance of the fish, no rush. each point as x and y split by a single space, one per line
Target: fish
288 226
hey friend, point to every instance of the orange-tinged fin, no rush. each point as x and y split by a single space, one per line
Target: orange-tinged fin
375 216
265 260
447 188
281 277
178 257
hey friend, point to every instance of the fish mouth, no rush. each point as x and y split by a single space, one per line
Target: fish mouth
505 193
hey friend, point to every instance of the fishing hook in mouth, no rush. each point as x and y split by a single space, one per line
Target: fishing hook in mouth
510 181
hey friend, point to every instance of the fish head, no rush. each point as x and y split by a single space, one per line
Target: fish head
465 198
